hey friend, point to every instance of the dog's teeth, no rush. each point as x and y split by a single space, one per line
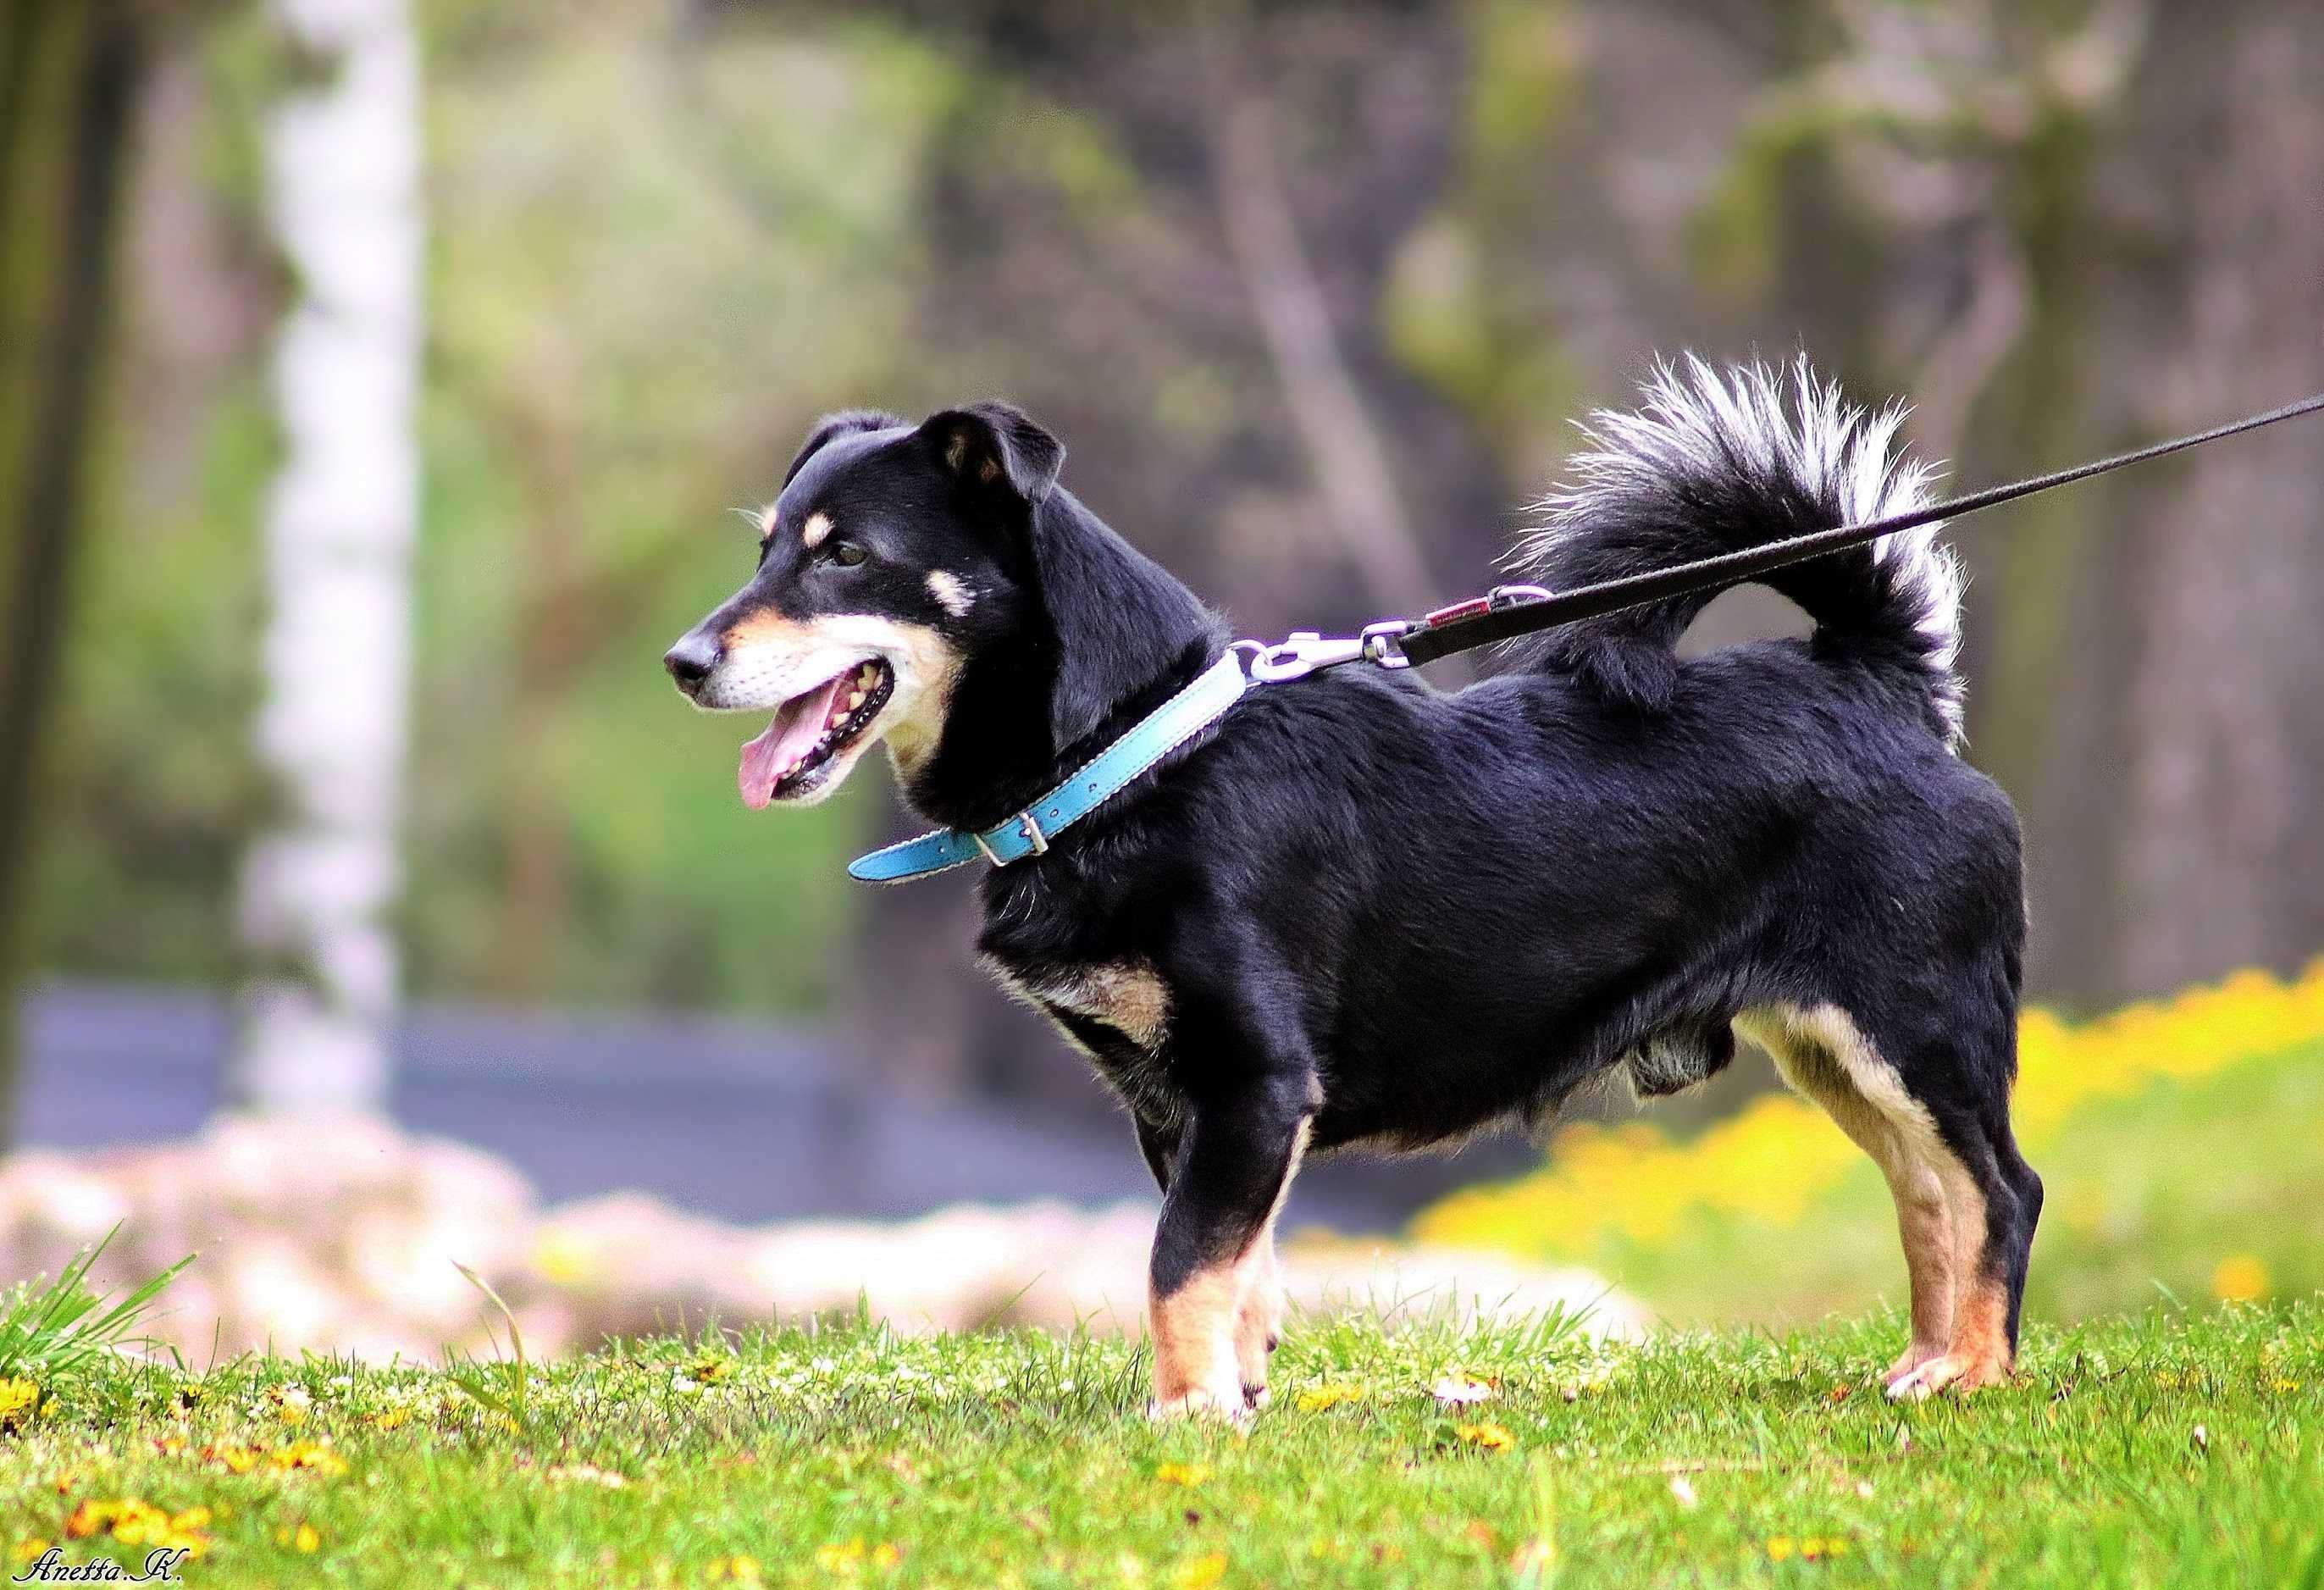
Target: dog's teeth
856 701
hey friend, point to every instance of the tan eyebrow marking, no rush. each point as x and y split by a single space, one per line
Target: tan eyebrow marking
765 522
951 594
817 526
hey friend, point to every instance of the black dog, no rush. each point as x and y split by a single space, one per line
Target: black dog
1358 911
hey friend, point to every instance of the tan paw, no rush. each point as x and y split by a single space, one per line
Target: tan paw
1201 1402
1255 1341
1957 1372
1912 1358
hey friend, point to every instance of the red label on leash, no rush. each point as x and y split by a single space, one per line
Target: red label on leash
1468 609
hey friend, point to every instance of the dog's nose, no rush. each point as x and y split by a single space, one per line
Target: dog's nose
691 659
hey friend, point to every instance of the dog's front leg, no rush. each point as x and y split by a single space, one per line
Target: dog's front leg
1234 1166
1259 1322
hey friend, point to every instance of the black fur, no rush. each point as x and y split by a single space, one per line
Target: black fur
1394 915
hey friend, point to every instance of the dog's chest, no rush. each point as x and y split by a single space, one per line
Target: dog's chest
1115 1011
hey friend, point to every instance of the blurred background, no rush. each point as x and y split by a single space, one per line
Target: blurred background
377 377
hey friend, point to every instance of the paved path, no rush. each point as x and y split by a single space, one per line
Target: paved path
742 1119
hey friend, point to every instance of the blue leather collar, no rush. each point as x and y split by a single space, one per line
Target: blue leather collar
1028 833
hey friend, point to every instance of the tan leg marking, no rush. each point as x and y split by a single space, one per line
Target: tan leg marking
1940 1212
1259 1320
1194 1371
1199 1329
1979 1354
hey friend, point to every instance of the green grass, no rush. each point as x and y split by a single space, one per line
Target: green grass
2170 1448
53 1331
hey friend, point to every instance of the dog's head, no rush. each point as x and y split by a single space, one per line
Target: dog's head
894 553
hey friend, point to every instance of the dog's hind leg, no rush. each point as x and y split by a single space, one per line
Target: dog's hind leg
1996 1202
1820 1053
1966 1201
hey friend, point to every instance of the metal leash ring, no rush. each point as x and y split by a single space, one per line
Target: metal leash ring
1304 651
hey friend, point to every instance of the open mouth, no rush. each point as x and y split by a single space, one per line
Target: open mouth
809 730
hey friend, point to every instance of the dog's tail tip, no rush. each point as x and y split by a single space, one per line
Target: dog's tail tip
1717 461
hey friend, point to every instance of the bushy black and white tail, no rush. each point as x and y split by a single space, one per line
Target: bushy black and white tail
1716 461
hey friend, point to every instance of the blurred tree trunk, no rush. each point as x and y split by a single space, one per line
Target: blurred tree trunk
2226 725
69 88
1350 463
343 166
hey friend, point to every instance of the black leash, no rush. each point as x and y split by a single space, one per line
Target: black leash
1510 611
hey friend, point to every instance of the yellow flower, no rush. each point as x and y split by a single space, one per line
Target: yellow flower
840 1556
20 1402
309 1455
565 1260
388 1418
1202 1572
238 1460
306 1540
711 1371
1315 1399
1779 1547
736 1570
132 1521
30 1549
2239 1279
1189 1474
886 1556
1492 1438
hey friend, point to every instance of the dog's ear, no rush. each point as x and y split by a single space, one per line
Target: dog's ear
996 445
833 426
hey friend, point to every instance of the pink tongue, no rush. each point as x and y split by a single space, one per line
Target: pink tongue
797 725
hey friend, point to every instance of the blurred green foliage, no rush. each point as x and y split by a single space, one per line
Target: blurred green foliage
649 268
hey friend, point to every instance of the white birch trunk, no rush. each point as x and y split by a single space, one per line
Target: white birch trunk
343 151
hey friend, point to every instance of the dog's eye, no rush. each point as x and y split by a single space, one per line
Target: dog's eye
846 554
